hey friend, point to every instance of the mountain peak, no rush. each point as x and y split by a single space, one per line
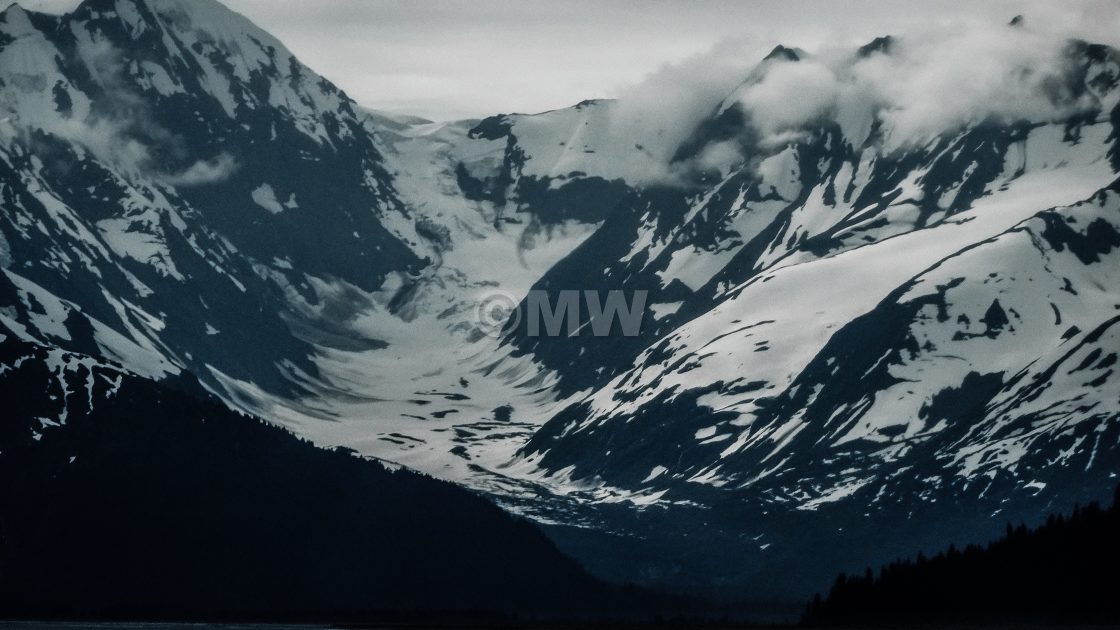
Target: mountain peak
180 15
15 16
781 52
878 45
136 16
13 7
111 6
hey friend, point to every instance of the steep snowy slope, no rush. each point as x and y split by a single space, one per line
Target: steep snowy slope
819 194
170 172
777 368
981 389
992 315
820 215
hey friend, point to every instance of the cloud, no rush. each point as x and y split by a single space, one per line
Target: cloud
664 108
791 95
202 172
121 129
720 157
933 79
939 80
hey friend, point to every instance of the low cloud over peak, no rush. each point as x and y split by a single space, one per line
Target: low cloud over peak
910 86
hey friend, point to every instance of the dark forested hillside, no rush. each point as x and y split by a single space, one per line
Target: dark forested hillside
124 497
1067 570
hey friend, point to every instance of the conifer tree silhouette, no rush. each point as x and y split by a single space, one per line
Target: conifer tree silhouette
1067 570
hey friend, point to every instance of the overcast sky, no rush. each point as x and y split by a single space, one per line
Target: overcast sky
469 58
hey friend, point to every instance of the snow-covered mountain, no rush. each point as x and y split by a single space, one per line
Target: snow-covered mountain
865 332
167 168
